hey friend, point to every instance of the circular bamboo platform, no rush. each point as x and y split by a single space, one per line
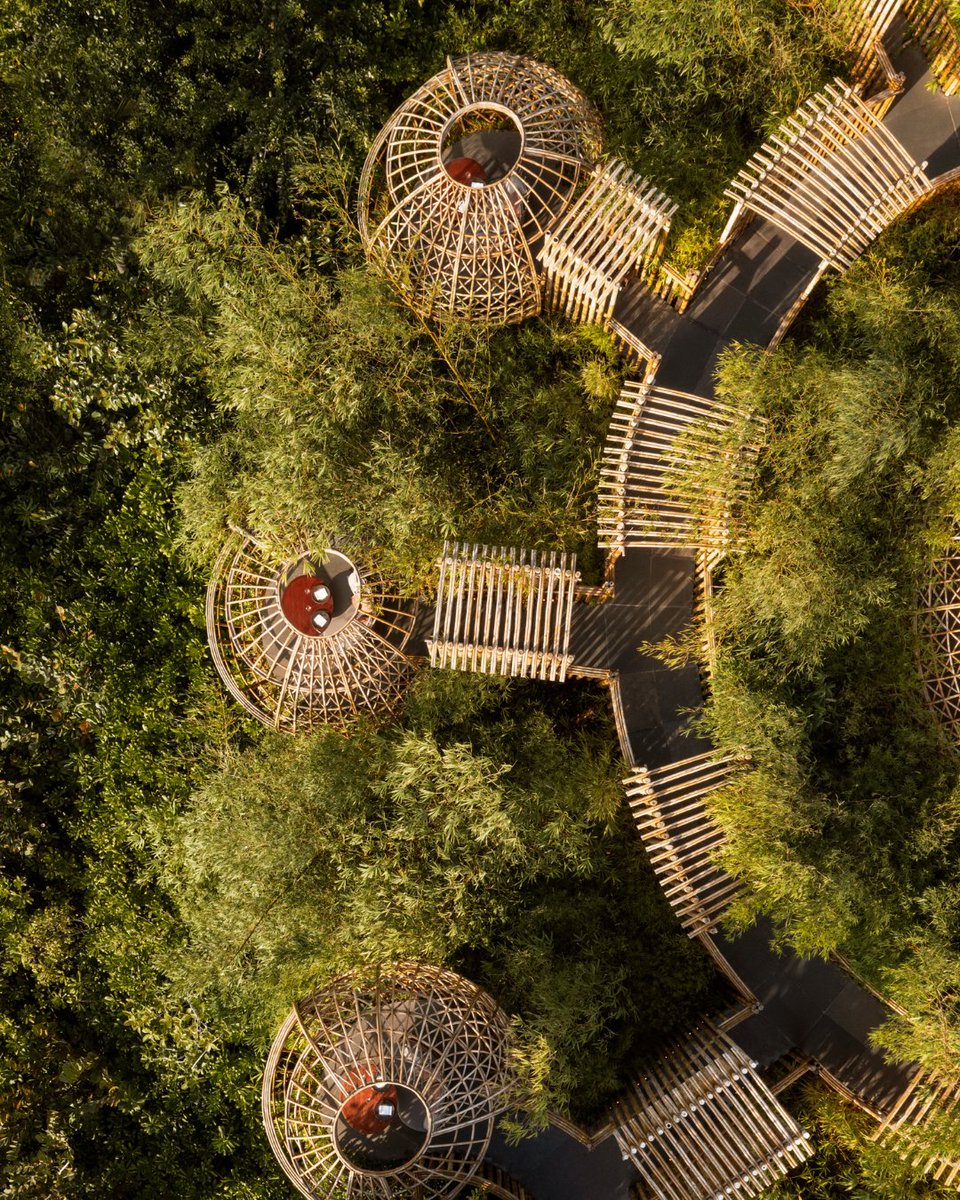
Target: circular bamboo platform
303 637
463 181
387 1084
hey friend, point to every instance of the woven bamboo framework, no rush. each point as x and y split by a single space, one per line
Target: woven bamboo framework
681 838
833 177
670 475
618 226
938 627
935 31
923 1123
504 611
387 1085
701 1123
462 183
291 679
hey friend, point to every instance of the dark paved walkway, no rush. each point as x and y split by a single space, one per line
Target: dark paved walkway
808 1005
555 1164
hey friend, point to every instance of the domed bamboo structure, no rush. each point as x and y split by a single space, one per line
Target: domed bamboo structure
303 637
938 626
387 1084
464 180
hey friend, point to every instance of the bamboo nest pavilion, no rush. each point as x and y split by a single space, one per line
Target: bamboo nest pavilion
303 637
482 196
938 629
387 1085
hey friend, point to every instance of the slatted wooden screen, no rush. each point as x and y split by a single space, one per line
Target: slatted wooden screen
833 177
938 627
701 1123
504 611
616 227
926 1114
937 35
709 562
681 838
863 24
649 495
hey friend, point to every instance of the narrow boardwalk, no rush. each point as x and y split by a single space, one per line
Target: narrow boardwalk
808 1007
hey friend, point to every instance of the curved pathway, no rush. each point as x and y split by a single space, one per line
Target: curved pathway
809 1007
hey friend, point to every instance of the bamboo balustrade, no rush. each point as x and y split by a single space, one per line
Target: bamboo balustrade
617 227
863 25
292 681
491 1181
461 242
438 1043
934 29
923 1125
708 563
701 1123
833 177
681 838
638 355
938 627
504 611
655 438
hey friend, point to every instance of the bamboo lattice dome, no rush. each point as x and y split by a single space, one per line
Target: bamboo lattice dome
295 661
387 1085
463 181
938 626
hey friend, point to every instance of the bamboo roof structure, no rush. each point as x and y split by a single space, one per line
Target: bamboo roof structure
702 1124
938 627
682 839
466 177
833 177
924 1126
287 673
617 226
504 611
386 1085
667 476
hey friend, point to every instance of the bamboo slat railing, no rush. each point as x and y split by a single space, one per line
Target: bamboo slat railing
701 1123
863 25
923 1118
708 563
293 680
934 29
938 629
617 227
491 1181
833 177
682 839
387 1083
656 441
504 611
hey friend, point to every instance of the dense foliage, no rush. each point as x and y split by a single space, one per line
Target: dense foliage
847 822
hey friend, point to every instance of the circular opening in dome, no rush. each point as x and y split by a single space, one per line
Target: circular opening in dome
381 1127
320 594
480 145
